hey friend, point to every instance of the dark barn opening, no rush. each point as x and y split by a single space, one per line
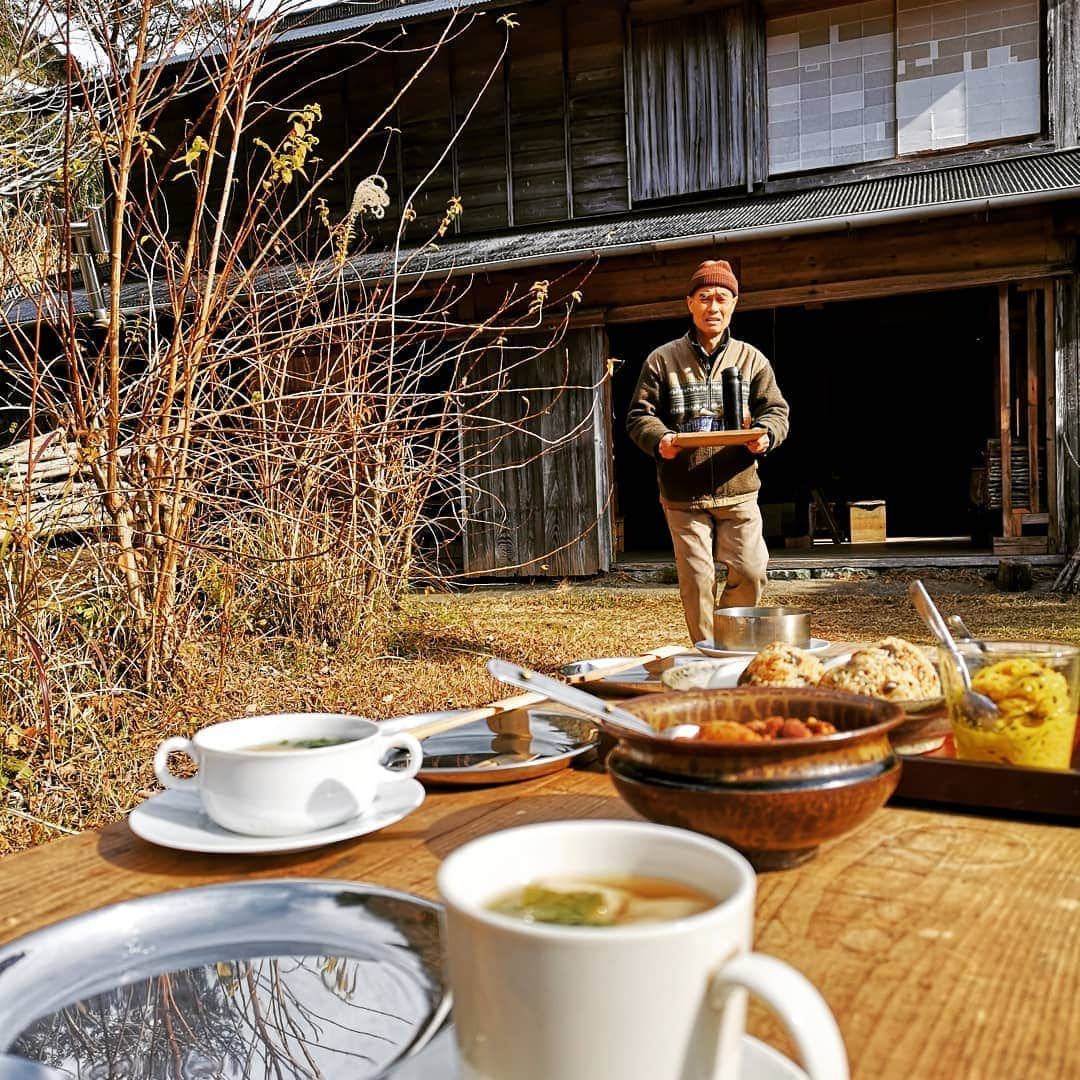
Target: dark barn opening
891 399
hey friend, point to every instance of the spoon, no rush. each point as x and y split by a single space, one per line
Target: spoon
959 628
978 708
515 675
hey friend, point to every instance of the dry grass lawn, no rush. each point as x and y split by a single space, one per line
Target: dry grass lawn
99 766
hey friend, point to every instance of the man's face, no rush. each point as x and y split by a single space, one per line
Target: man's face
711 308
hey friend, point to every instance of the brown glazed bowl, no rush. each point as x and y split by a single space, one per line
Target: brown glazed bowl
773 801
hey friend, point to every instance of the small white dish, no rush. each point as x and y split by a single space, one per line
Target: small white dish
439 1061
706 675
176 819
709 649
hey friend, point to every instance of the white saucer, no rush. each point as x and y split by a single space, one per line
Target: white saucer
175 819
707 647
439 1061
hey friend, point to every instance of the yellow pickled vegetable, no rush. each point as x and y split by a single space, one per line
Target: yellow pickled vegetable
1037 718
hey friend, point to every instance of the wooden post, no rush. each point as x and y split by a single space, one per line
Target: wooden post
1034 499
1053 528
1005 411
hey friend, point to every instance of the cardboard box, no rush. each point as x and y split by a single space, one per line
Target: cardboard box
867 521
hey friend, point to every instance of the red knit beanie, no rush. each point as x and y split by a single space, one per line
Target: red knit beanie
714 272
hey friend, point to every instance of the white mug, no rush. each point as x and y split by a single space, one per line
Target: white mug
284 792
644 1001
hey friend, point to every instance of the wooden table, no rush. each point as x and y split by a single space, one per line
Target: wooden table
947 946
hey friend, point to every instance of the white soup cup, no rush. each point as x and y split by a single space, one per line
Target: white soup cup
285 792
645 1001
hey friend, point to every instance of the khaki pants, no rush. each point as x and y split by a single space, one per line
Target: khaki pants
733 536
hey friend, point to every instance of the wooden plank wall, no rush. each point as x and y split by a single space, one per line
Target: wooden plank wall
597 106
538 144
537 137
532 499
480 153
756 95
426 180
1063 71
689 128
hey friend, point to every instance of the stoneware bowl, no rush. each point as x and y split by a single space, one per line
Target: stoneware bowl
775 801
924 727
747 629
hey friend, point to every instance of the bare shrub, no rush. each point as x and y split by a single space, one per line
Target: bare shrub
263 443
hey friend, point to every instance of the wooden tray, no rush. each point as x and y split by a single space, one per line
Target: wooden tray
718 438
940 779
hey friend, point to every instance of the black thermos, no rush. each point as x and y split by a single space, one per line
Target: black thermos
732 398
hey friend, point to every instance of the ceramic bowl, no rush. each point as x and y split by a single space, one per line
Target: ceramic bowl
924 727
777 801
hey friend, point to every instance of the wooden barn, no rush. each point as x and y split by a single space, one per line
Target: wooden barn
896 182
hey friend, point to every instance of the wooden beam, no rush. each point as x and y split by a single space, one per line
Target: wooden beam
508 139
1005 410
1053 527
863 289
1033 365
568 149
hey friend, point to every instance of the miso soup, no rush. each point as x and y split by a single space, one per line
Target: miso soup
617 901
300 744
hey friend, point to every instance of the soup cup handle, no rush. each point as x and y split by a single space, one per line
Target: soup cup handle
798 1005
402 740
175 745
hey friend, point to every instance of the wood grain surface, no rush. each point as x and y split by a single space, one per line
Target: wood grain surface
717 438
948 946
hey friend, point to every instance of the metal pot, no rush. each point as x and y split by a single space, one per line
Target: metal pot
746 629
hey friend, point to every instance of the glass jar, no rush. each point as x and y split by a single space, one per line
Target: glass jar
1036 687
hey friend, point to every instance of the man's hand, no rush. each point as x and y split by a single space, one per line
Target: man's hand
759 445
667 448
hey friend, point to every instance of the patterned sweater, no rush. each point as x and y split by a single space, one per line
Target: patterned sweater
674 393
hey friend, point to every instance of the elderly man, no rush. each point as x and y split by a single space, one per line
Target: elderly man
709 494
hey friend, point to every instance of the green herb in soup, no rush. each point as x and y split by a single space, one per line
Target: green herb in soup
299 744
602 901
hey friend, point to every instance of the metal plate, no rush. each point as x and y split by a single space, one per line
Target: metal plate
709 649
627 682
263 978
506 748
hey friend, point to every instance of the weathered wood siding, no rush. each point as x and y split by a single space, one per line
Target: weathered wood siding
1063 71
537 135
535 473
689 123
596 106
479 154
426 179
538 145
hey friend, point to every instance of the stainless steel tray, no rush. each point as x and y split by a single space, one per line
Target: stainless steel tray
279 977
503 749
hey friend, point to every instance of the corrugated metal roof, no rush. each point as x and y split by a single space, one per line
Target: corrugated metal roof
334 19
957 189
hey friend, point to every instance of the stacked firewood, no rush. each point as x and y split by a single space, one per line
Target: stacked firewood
44 488
1020 473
